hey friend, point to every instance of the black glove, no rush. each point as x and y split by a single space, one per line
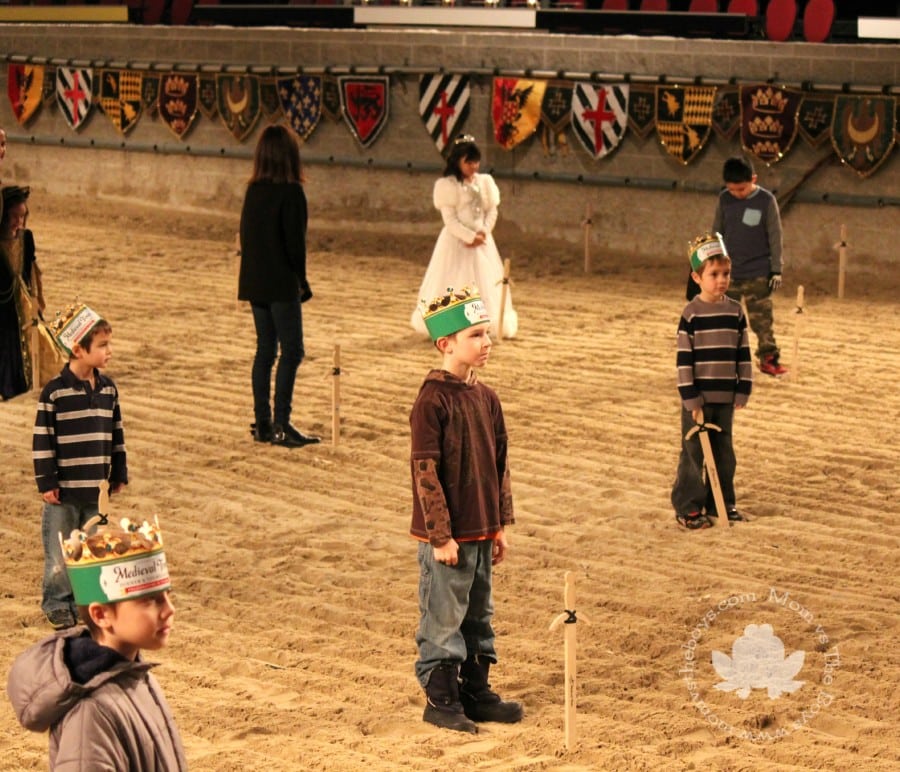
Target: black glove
305 291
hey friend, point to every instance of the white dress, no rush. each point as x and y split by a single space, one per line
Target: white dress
466 208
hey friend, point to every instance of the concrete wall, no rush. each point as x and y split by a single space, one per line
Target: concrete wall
633 220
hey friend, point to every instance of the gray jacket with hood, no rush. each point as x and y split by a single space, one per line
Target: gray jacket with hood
104 712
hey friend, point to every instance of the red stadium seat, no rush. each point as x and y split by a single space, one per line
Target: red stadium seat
655 5
180 11
615 5
749 7
781 15
818 16
704 6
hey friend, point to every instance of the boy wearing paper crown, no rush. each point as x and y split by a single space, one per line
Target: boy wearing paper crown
715 375
89 685
77 443
461 504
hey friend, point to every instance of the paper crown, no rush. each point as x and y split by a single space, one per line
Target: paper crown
705 247
71 325
454 311
108 563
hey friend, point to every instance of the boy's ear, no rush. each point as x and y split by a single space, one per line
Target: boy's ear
78 350
695 276
101 614
442 344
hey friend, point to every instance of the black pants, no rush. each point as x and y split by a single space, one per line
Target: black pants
277 324
691 493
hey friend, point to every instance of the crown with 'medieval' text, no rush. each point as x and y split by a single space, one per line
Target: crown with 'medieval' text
454 311
107 563
705 247
70 326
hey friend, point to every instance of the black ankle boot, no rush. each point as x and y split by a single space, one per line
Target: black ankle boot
444 708
290 437
261 431
478 701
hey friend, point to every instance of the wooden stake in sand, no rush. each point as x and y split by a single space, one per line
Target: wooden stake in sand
841 247
35 344
236 255
504 293
795 364
569 619
586 223
336 396
709 461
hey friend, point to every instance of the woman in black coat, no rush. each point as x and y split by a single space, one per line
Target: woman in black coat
273 279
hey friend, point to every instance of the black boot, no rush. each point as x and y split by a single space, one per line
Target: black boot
262 431
444 708
479 702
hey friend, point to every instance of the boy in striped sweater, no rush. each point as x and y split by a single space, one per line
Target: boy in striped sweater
715 375
77 444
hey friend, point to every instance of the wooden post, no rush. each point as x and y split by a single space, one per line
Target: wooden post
504 293
336 397
795 364
35 343
586 224
841 247
236 254
569 619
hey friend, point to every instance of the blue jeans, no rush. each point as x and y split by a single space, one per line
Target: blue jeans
456 608
60 519
691 493
277 324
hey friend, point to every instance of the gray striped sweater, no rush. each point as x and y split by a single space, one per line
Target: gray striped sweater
714 364
78 439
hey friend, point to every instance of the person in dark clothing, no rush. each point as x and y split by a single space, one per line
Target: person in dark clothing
273 279
461 505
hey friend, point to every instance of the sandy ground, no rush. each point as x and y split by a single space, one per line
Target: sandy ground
295 577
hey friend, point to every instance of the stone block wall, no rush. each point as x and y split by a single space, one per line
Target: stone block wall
661 206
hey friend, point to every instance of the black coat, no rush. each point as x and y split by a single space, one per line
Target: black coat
273 243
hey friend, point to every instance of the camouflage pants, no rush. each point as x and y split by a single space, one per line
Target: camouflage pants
757 295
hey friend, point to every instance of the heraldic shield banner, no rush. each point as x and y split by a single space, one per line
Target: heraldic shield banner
684 119
120 97
178 101
769 121
863 131
301 101
516 109
238 103
25 87
443 106
600 116
364 102
73 94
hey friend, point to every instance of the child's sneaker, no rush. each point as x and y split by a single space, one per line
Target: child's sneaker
736 517
693 521
770 366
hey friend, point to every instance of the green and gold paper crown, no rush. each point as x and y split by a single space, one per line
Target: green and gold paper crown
454 311
108 563
705 247
70 326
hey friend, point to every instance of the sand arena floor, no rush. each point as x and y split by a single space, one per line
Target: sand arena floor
295 578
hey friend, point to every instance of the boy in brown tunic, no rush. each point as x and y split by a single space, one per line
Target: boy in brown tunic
461 505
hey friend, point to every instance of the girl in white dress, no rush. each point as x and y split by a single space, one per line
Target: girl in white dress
465 252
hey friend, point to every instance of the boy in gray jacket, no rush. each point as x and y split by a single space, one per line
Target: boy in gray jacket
88 685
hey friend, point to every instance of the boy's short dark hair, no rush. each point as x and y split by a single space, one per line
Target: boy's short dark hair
737 169
716 259
101 326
